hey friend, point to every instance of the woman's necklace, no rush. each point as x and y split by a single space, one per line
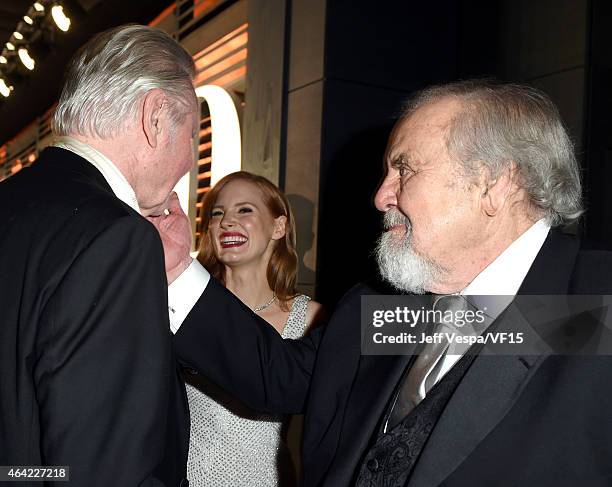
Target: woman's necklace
264 306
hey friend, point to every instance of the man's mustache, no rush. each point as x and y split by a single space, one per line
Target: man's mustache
394 217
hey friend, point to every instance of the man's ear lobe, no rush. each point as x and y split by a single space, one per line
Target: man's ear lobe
489 206
151 123
497 192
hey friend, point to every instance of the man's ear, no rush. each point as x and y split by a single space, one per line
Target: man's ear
280 227
497 191
152 115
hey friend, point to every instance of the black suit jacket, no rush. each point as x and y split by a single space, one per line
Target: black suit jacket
87 375
541 420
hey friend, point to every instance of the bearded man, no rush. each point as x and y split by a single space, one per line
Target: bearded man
479 177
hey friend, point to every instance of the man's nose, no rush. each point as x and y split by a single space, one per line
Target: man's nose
386 196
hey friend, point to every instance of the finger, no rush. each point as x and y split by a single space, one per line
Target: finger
154 219
174 205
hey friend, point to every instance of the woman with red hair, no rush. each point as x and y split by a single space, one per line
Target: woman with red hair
248 244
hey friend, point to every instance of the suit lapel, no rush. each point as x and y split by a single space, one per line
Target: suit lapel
494 382
483 397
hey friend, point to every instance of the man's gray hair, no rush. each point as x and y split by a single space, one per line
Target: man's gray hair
109 75
501 124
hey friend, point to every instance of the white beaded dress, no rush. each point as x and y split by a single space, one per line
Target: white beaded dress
230 445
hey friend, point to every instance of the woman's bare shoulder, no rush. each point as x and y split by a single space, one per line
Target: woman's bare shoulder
315 314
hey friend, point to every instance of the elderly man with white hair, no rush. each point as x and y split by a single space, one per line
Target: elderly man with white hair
87 375
479 176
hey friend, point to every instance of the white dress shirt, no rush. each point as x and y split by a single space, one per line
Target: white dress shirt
503 276
187 288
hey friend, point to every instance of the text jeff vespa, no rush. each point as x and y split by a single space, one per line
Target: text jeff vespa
459 318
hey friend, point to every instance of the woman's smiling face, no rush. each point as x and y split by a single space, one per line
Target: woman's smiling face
242 228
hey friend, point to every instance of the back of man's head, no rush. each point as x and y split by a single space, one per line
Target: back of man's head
109 75
503 124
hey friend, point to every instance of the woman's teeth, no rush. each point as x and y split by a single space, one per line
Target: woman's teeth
233 240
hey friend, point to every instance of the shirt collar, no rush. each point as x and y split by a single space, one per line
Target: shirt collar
115 179
504 276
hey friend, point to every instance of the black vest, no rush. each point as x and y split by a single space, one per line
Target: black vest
391 459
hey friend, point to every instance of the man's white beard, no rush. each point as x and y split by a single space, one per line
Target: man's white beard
398 263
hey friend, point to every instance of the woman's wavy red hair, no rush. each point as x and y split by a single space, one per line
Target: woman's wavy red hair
283 264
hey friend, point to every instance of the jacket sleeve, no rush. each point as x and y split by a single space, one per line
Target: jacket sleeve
224 340
102 376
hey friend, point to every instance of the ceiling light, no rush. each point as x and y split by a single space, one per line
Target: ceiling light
39 7
28 19
3 60
5 90
10 46
62 22
18 35
26 59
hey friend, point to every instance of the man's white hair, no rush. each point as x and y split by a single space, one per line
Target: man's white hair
503 124
109 75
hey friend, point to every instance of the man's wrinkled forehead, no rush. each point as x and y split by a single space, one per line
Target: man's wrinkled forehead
428 122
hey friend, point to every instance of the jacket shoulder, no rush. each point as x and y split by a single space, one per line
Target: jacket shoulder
60 192
593 270
353 295
53 211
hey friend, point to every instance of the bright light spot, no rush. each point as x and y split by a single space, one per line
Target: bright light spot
28 19
62 22
183 192
39 7
26 59
4 88
10 46
226 144
3 60
18 35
